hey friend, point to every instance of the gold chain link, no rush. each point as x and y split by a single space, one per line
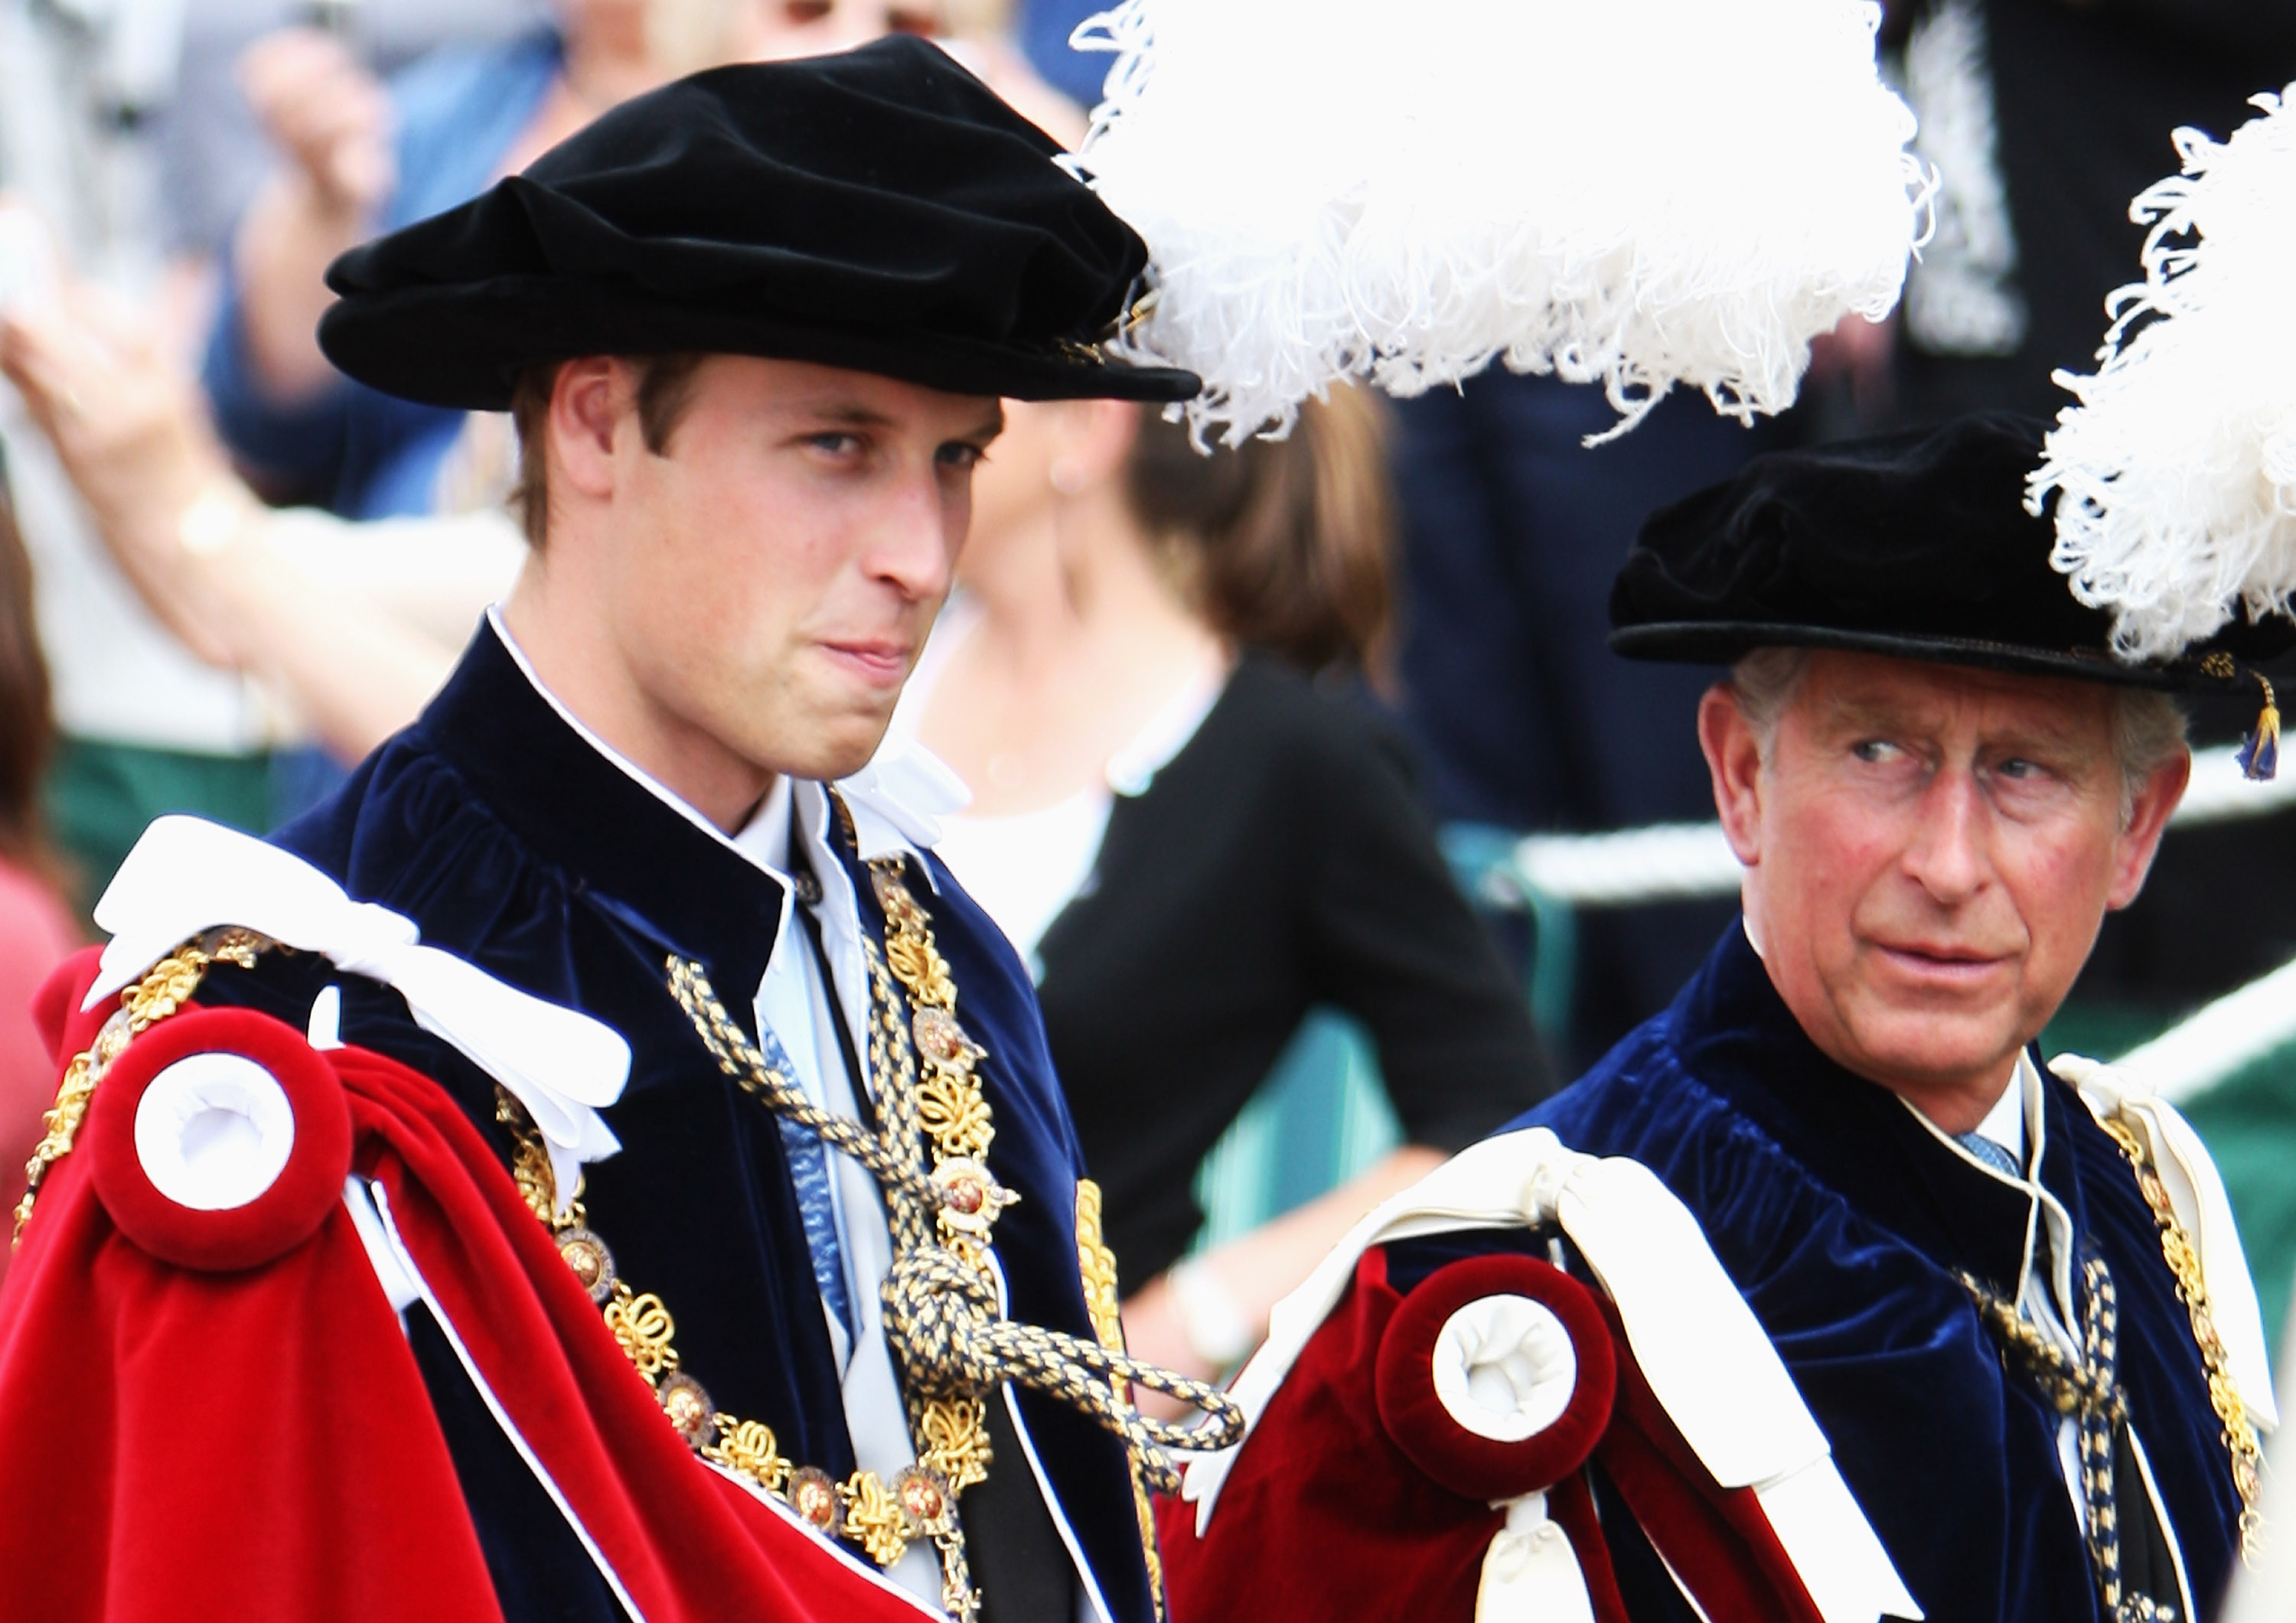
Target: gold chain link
166 987
2184 1259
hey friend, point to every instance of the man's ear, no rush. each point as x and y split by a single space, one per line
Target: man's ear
1734 757
588 404
2149 811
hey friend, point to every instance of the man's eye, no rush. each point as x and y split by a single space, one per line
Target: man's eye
2018 770
964 458
835 444
1873 750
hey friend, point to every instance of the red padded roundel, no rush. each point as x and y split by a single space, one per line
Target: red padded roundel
1495 1376
219 1139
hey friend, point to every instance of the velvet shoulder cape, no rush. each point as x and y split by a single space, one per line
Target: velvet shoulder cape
205 1418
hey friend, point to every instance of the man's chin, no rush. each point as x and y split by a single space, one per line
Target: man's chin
1911 1053
828 747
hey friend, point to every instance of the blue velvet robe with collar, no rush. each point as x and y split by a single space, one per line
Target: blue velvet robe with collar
1845 1220
513 843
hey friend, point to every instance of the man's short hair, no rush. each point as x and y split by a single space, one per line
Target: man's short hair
665 391
2148 725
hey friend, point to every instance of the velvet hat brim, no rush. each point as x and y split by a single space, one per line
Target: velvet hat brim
1916 545
880 211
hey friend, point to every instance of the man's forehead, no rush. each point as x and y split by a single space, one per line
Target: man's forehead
1843 685
837 394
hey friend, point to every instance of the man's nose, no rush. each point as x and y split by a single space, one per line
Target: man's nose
1948 855
913 549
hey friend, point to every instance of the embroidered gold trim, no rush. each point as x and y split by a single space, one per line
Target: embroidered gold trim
862 1508
1096 1264
2184 1259
166 987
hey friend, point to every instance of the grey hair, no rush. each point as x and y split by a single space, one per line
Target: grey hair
2148 726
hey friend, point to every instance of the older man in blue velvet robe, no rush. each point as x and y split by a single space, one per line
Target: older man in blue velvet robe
1939 781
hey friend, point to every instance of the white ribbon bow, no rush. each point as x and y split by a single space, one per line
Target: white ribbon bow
187 875
1705 1355
1531 1572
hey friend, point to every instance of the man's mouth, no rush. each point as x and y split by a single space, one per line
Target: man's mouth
881 661
1940 963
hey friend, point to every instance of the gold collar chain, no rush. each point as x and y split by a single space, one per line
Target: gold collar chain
2184 1258
166 987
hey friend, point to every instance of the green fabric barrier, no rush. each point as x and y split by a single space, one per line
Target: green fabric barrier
1320 1118
2249 1123
99 797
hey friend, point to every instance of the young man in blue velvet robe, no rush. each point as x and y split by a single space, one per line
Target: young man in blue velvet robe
754 328
1940 781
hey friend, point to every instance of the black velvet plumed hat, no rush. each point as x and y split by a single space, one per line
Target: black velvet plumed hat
880 211
1914 544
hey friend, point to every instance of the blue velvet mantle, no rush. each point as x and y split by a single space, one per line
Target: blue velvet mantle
512 842
1844 1220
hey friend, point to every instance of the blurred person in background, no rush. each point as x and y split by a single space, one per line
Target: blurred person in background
126 144
361 157
352 628
1509 532
1191 838
35 931
1511 529
357 157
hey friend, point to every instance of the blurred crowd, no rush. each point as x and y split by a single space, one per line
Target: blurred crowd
1250 698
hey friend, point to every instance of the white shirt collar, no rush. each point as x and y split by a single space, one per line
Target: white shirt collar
2005 1123
897 800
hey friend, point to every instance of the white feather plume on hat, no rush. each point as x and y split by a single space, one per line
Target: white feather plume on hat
2176 471
1640 192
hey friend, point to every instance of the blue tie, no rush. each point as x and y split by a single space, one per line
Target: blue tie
1993 1155
808 1167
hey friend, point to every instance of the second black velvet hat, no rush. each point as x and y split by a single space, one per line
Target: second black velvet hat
880 211
1914 544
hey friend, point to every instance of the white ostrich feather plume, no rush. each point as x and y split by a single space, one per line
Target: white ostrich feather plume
1640 192
2177 473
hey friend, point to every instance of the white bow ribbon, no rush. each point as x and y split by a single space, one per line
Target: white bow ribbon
187 875
2196 1194
1704 1353
1530 1571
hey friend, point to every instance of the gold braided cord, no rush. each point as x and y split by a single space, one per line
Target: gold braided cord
2184 1258
738 1057
166 987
